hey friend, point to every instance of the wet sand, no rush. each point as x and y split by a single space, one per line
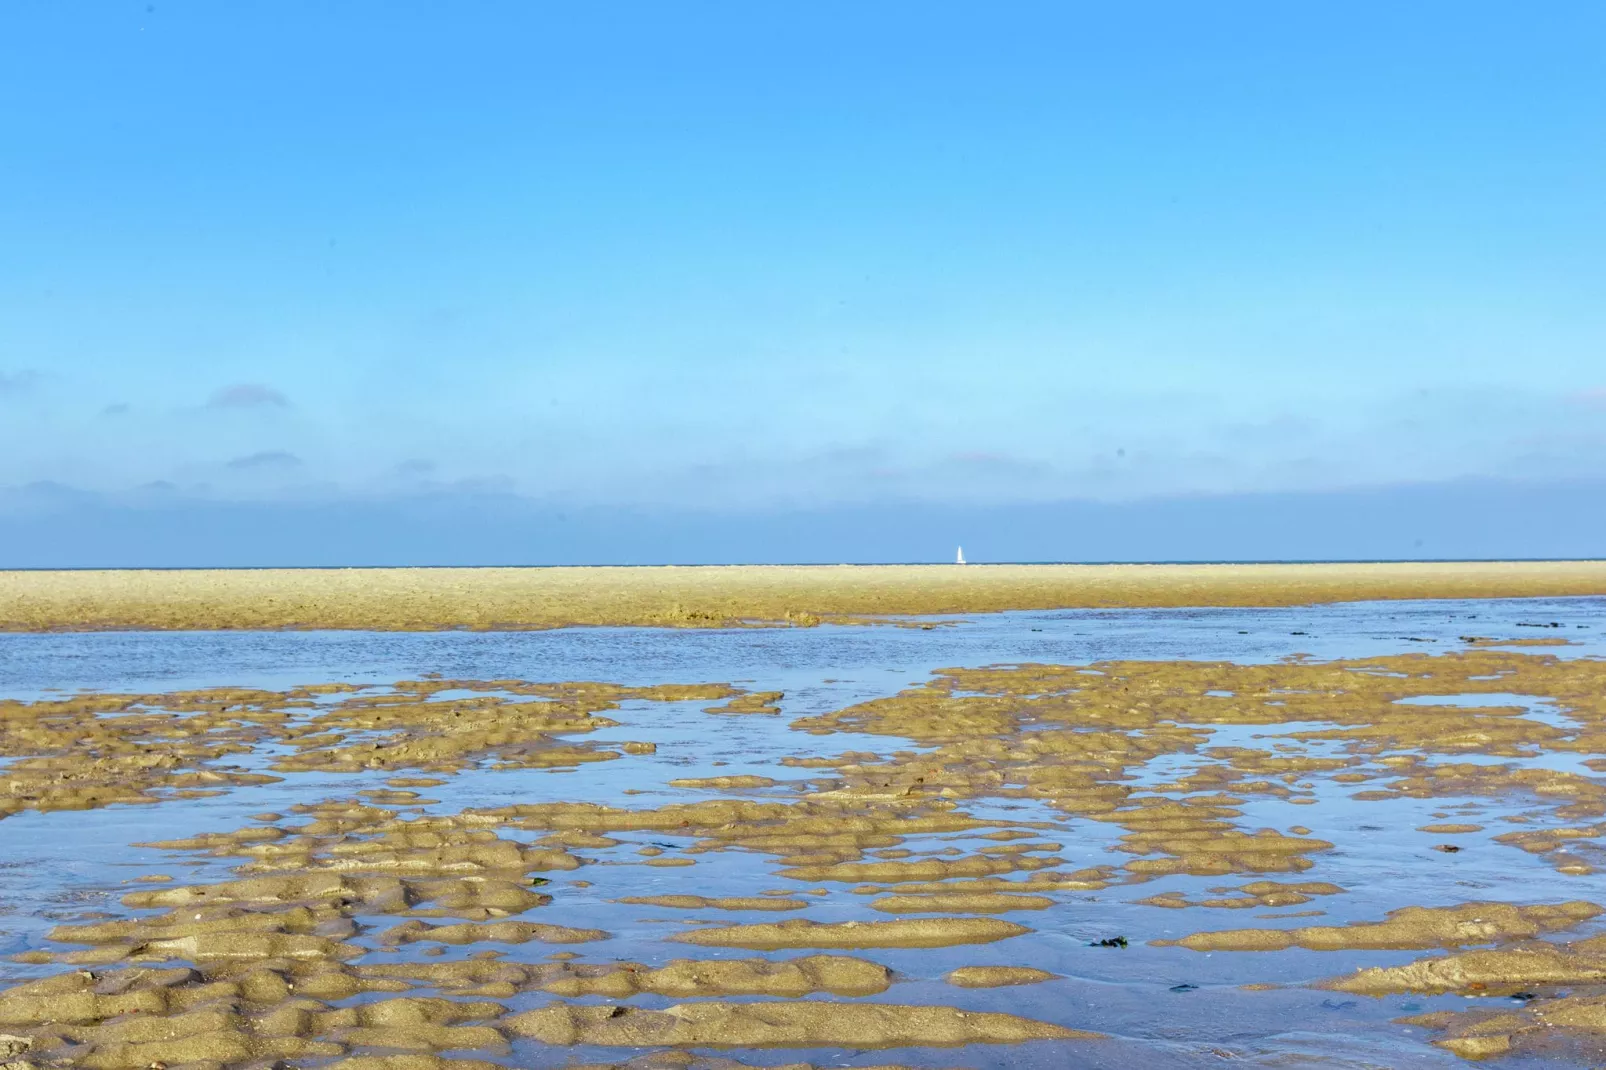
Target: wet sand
1396 857
537 598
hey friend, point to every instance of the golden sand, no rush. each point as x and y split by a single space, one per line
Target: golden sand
1406 928
1535 1022
1498 971
960 903
525 598
996 976
806 1024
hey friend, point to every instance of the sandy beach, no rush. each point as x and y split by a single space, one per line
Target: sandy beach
722 596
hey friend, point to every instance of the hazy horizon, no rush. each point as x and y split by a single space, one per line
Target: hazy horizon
54 527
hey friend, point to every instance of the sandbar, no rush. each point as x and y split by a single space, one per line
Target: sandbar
428 599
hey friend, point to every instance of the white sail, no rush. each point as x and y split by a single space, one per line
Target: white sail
960 557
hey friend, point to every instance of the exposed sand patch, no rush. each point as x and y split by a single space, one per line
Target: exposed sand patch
1481 1033
1478 972
723 782
1258 894
754 702
1408 927
497 932
1450 829
996 976
776 1024
620 980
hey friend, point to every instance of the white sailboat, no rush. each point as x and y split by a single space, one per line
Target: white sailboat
959 559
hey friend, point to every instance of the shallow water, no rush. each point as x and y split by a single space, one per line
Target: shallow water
1160 1006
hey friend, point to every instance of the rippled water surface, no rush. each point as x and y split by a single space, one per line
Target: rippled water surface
1159 1006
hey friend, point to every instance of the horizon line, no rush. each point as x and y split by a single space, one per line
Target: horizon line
1225 562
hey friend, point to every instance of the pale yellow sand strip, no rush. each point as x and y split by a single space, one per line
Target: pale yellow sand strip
427 599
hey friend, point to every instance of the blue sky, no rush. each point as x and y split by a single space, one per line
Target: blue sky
758 256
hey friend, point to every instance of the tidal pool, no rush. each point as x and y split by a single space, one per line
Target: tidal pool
1361 834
